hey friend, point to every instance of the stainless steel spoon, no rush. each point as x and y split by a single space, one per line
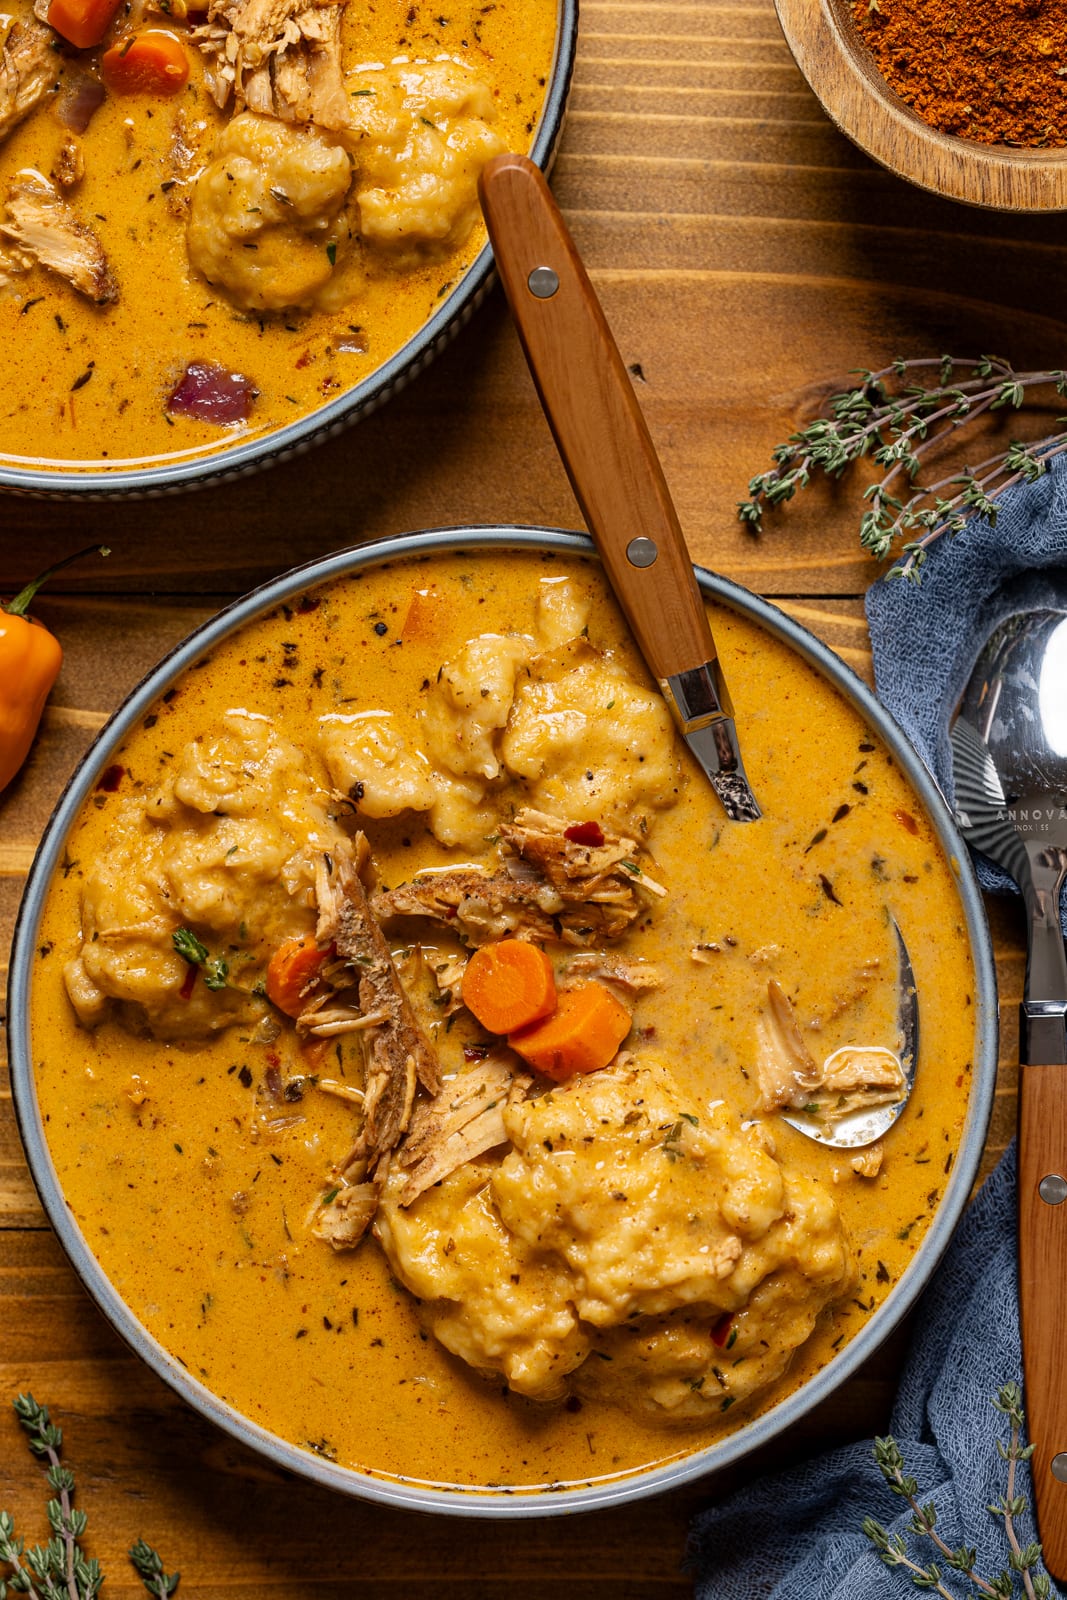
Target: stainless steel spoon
864 1127
1009 759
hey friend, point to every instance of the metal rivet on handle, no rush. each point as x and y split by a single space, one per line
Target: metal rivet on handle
1053 1191
1058 1466
543 282
642 552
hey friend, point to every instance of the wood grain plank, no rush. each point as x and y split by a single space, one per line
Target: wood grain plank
748 257
447 451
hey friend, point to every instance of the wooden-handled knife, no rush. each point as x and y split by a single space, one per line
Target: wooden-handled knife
612 464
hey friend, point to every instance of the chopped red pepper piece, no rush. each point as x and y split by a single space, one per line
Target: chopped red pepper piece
590 833
720 1331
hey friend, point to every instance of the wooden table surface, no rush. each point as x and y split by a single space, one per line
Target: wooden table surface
747 257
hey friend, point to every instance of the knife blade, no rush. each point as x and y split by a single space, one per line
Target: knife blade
609 456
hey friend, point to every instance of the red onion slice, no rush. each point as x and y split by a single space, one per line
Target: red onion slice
211 393
79 98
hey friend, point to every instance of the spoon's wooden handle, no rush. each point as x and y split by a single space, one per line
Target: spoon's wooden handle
1043 1296
591 407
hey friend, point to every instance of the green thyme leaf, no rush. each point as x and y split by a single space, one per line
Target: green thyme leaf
189 947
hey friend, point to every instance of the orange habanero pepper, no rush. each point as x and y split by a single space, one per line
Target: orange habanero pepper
30 659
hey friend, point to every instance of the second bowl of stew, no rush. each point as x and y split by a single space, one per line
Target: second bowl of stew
227 231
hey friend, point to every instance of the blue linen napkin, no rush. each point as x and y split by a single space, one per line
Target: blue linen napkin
926 639
797 1535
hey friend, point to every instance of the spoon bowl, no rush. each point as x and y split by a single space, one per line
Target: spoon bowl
1016 701
870 1123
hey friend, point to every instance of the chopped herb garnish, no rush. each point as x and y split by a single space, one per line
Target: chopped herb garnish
189 947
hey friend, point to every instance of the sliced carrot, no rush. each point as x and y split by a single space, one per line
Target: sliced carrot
424 617
509 985
82 22
152 62
582 1034
292 971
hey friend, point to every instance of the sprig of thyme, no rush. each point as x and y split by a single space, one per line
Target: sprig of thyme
59 1570
898 418
216 970
1023 1560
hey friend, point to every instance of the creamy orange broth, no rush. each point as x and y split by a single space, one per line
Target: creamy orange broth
135 351
323 1348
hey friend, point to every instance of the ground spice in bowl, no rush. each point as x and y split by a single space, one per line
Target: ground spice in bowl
990 70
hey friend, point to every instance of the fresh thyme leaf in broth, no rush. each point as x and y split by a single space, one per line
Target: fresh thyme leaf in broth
216 969
189 947
216 973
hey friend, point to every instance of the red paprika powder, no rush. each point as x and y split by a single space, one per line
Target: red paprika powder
990 70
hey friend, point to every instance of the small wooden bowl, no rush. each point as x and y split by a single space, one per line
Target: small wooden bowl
855 96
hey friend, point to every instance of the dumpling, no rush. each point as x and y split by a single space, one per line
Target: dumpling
267 223
423 136
228 850
591 743
470 704
625 1221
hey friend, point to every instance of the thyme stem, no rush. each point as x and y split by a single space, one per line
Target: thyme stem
59 1570
1024 1559
902 422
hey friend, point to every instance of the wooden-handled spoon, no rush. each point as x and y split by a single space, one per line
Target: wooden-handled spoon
612 464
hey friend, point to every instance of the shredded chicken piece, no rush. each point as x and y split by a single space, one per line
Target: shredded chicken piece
786 1070
27 70
342 1091
868 1163
854 1078
69 169
634 977
13 264
448 976
542 840
329 890
180 163
464 1121
362 992
280 58
857 1077
480 906
554 889
343 1220
399 1054
41 222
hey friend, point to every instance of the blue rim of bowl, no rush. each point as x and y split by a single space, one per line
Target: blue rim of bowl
415 1494
66 481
